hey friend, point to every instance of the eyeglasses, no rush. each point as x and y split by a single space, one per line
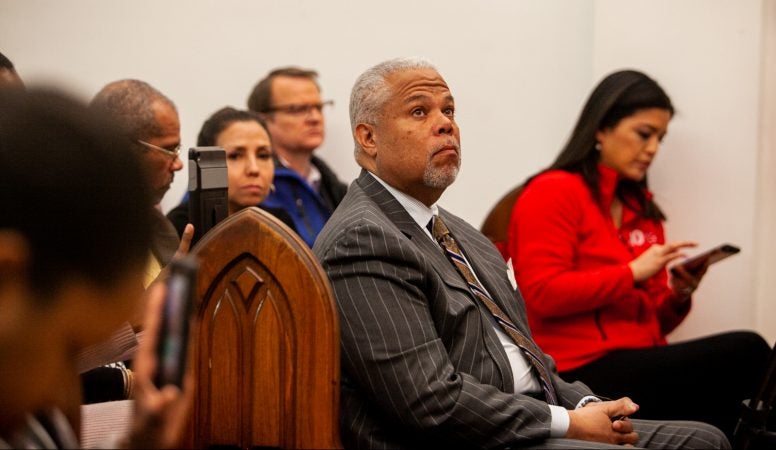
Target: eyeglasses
173 154
301 110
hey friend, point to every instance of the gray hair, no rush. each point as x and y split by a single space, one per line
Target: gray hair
130 103
371 91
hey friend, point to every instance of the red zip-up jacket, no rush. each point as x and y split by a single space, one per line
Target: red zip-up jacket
571 264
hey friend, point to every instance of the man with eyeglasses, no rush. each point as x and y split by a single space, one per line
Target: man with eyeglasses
150 122
289 100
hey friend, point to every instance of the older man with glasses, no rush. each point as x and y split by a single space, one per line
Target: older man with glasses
150 121
289 99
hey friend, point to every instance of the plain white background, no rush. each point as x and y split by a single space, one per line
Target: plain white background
520 72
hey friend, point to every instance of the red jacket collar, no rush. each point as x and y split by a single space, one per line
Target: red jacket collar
607 185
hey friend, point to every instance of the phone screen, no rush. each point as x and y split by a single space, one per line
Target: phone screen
174 330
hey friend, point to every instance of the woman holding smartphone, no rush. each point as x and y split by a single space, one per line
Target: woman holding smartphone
249 162
589 254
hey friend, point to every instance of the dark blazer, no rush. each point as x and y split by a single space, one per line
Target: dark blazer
422 364
332 189
165 240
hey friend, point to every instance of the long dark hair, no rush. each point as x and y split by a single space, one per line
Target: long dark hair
617 96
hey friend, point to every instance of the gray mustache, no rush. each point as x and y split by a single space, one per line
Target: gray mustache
450 143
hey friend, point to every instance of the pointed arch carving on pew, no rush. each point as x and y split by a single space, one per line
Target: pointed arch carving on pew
265 351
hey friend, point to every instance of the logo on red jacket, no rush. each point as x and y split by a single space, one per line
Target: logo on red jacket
637 238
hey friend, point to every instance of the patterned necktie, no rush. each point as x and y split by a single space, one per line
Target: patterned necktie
530 350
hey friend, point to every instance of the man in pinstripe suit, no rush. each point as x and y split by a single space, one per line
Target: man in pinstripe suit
424 362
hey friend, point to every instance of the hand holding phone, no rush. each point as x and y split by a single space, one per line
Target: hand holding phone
705 259
172 342
161 414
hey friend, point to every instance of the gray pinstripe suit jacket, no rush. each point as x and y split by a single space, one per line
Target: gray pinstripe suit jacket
422 365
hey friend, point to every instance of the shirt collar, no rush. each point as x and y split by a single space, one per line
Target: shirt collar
419 212
313 178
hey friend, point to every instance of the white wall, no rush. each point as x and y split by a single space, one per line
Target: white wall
707 55
765 282
520 71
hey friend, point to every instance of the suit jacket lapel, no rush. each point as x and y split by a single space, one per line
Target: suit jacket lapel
401 218
491 271
447 272
487 270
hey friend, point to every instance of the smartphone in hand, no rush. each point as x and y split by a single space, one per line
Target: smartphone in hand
172 343
707 258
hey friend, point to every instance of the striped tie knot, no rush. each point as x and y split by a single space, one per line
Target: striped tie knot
438 229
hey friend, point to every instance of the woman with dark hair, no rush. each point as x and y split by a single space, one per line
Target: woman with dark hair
249 162
589 254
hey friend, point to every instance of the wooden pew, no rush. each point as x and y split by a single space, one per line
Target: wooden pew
265 345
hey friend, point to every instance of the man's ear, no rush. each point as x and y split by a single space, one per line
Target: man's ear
14 283
365 136
14 255
14 265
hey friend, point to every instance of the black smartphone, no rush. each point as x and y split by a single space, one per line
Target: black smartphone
172 343
708 258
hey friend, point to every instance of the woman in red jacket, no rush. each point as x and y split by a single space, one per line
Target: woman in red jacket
587 245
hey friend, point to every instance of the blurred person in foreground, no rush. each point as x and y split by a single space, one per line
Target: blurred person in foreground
70 268
8 76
